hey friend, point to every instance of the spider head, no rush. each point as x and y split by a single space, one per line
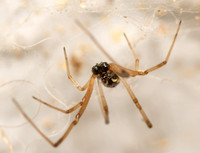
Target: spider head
100 68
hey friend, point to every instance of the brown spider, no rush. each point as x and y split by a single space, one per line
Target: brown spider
109 75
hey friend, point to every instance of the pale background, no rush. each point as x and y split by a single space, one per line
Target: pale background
32 35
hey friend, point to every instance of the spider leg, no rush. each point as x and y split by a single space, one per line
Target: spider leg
122 71
136 103
85 101
58 109
167 57
69 75
104 104
134 54
94 40
125 72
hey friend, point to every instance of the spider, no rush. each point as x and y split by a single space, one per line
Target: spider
110 76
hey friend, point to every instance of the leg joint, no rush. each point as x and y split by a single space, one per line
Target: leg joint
164 62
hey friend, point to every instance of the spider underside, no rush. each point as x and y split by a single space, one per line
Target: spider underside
107 74
107 77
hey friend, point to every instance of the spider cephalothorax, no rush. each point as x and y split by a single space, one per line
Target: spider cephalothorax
103 72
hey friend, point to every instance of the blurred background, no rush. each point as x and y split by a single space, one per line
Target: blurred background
32 37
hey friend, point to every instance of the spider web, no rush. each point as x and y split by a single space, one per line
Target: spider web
33 34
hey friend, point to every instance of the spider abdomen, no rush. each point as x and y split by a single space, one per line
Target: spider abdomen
109 79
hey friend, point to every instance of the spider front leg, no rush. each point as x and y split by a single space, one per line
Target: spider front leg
94 40
168 55
69 75
136 103
134 54
58 109
104 104
85 101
